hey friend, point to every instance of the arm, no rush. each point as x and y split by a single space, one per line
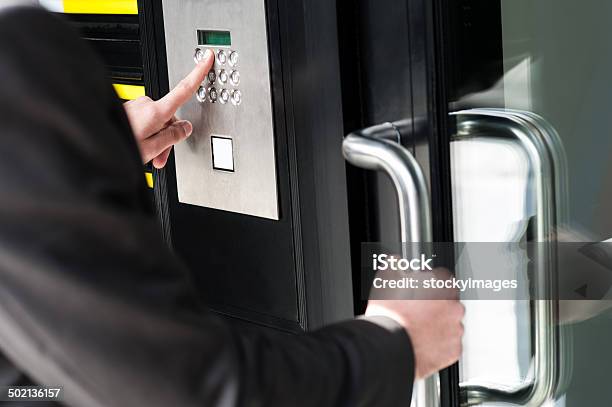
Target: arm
90 297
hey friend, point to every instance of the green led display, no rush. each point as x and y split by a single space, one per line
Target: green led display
214 38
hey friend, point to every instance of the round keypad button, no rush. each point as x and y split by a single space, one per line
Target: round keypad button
212 94
222 76
235 78
212 76
222 57
236 97
198 55
233 58
201 94
224 96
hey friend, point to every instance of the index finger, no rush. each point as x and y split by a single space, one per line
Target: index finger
182 92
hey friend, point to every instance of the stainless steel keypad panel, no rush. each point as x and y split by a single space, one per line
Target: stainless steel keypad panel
222 84
232 110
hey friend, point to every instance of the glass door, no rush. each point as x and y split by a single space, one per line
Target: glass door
531 163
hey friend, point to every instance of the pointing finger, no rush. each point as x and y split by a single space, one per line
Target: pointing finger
178 96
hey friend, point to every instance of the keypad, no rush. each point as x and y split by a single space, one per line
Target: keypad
221 83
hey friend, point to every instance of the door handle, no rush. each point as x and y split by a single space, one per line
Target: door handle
378 148
547 160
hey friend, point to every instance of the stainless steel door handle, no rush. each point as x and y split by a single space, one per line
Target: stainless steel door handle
546 158
378 148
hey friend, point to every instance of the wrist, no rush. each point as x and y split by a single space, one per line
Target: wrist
394 327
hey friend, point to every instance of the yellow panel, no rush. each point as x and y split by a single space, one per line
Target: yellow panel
129 92
149 178
101 6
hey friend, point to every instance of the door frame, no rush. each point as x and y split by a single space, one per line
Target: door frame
416 33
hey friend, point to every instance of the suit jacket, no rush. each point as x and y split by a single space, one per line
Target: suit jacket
90 296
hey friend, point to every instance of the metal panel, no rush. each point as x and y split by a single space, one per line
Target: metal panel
251 188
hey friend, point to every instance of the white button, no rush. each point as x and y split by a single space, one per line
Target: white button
235 77
224 96
221 57
201 94
222 76
233 58
236 97
198 56
223 153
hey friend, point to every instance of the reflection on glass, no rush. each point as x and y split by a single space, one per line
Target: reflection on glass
532 215
490 194
557 62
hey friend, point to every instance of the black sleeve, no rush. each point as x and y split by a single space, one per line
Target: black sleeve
91 298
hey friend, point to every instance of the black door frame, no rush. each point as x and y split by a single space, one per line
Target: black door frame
395 67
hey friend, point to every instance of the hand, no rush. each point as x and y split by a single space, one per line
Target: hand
154 123
433 324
